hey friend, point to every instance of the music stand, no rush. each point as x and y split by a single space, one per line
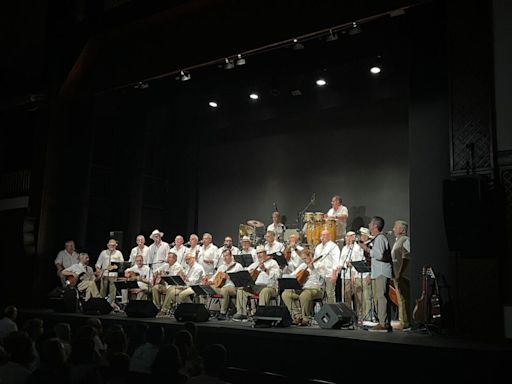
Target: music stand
361 266
173 280
245 259
203 290
241 279
288 283
121 266
280 259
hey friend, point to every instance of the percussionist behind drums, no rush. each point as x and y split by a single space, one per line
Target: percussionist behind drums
340 213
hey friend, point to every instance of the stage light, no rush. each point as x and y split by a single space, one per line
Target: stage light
213 104
240 60
321 82
331 36
254 96
297 46
355 29
228 64
184 76
375 70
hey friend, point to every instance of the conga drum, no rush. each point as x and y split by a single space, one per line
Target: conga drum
310 227
319 222
330 225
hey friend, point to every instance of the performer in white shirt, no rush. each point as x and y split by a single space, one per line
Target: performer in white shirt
194 274
291 254
300 303
65 259
170 268
157 253
180 250
83 276
106 273
272 246
328 254
194 246
140 249
208 255
222 284
140 273
277 227
228 244
268 272
247 249
340 213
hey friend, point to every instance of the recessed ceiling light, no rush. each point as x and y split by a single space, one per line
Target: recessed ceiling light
321 82
375 70
254 96
213 104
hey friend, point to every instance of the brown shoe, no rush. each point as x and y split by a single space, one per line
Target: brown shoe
297 321
305 323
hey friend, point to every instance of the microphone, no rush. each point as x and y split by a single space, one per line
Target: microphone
187 244
172 244
313 198
275 207
200 242
389 232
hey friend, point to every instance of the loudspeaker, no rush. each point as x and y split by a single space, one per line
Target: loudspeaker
191 312
141 308
118 236
97 305
335 316
272 316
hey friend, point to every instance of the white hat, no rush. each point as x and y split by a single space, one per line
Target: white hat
246 238
350 233
364 231
260 248
156 232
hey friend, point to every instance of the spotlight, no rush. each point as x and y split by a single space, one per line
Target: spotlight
331 36
228 64
184 76
321 82
355 29
240 60
141 85
213 104
375 70
254 96
297 46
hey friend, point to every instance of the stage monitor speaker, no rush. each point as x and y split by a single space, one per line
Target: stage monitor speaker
335 316
272 316
97 305
118 236
191 312
141 308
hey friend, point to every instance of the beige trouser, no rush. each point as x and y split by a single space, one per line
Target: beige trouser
242 296
171 295
300 303
107 285
380 293
90 288
362 296
330 290
402 286
227 293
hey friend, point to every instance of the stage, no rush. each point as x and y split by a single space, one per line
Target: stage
329 354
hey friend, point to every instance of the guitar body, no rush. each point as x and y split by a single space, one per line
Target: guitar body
219 280
302 276
420 312
393 296
73 281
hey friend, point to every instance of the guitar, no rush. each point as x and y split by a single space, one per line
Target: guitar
73 281
435 302
420 312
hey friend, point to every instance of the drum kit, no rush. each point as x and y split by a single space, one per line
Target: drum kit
315 223
254 229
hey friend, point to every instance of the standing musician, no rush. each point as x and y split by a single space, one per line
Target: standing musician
83 275
328 254
228 244
381 273
222 284
401 254
277 227
268 272
291 254
140 249
157 253
179 249
300 303
247 249
208 255
170 268
65 259
340 213
139 272
106 273
272 246
194 248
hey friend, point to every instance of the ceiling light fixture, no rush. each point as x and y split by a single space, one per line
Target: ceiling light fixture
240 60
297 46
213 104
228 64
254 96
331 36
375 70
355 29
184 76
321 82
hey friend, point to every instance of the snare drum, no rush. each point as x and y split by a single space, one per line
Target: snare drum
330 225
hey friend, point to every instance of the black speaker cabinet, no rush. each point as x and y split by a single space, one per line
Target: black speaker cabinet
272 316
191 312
97 306
141 308
335 316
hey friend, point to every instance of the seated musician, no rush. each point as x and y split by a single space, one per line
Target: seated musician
247 249
222 284
82 276
267 271
300 303
107 272
291 254
228 244
193 275
170 268
272 246
140 273
66 258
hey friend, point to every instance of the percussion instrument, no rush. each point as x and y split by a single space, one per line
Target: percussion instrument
246 230
330 225
255 223
319 224
309 221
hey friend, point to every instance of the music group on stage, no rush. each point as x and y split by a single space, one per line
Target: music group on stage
372 274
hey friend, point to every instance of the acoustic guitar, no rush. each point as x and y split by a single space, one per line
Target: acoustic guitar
420 312
435 301
73 281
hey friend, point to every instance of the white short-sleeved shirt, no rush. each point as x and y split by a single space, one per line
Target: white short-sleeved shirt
138 251
106 258
66 259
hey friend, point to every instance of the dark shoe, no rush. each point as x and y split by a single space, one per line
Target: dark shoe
239 317
222 316
379 328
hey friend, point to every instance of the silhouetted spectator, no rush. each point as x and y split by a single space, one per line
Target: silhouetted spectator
192 363
53 368
8 321
63 333
119 368
167 365
144 356
214 361
84 361
16 368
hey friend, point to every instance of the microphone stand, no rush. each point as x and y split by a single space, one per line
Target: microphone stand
300 215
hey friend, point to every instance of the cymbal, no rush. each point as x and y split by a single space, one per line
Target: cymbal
245 230
255 223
